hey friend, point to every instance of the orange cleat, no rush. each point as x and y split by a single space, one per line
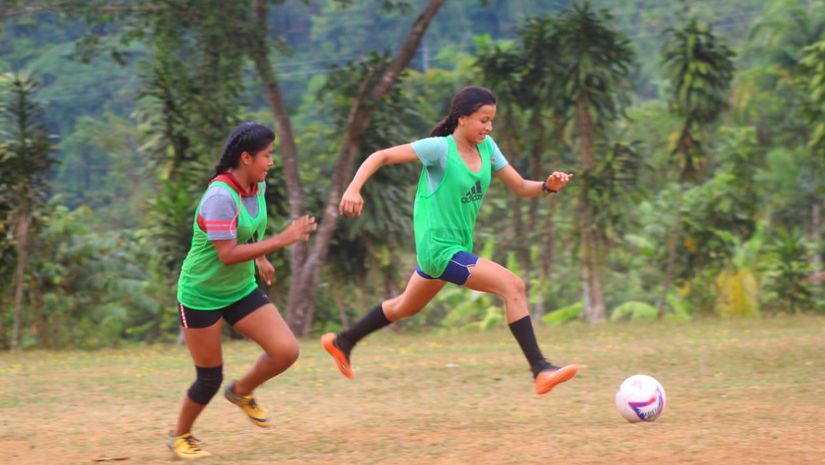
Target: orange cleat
548 379
341 359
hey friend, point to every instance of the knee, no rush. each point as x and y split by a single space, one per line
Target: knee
401 310
285 353
291 352
206 384
515 288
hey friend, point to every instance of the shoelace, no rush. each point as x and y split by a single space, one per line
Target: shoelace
252 404
193 443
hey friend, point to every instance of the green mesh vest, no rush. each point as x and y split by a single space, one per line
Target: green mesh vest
205 283
445 220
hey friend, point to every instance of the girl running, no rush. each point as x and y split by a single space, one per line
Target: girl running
458 160
217 280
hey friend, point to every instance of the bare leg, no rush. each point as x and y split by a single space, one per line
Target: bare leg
489 276
266 327
418 293
205 346
416 296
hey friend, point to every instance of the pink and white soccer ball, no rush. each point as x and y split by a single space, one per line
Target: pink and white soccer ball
640 398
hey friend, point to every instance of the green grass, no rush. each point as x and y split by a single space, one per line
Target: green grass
739 392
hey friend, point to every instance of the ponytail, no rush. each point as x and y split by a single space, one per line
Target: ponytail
445 127
466 102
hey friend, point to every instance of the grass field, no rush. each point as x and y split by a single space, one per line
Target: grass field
739 392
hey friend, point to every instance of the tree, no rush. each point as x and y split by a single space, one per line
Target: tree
306 260
25 158
812 68
595 63
700 68
369 245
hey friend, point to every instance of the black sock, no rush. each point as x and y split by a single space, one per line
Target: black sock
523 332
372 321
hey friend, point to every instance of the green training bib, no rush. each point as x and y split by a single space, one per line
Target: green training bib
205 282
445 219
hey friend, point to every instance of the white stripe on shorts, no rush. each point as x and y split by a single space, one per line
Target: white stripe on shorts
183 315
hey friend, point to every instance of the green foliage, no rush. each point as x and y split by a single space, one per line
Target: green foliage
468 310
779 34
596 61
812 66
681 308
786 272
563 315
371 241
612 187
720 212
737 293
634 311
90 289
700 68
104 169
132 168
25 157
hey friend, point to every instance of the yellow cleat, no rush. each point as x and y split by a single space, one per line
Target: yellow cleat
186 446
251 408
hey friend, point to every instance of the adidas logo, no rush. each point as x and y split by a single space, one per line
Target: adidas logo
473 194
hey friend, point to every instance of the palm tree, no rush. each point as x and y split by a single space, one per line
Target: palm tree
785 28
24 162
700 68
595 63
813 84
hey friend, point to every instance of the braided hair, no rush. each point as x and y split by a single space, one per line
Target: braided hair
247 136
466 102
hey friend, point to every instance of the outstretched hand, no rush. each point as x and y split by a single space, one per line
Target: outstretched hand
351 203
557 180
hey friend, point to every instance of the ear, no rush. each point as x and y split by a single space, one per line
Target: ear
461 120
246 158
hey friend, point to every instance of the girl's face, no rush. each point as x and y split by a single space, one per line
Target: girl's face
258 165
476 126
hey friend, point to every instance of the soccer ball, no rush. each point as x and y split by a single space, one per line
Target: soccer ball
640 398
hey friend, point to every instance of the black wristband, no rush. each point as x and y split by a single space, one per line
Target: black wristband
546 189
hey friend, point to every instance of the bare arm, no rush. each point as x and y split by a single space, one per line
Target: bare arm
526 188
351 201
230 252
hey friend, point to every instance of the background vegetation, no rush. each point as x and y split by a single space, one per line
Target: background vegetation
696 131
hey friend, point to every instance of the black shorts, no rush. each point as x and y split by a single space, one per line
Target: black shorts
192 318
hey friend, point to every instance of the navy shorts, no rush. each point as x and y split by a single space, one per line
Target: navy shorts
458 271
192 318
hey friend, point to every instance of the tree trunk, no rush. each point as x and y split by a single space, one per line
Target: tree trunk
672 249
301 298
548 254
816 238
520 235
594 310
546 263
289 152
22 246
534 234
537 171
